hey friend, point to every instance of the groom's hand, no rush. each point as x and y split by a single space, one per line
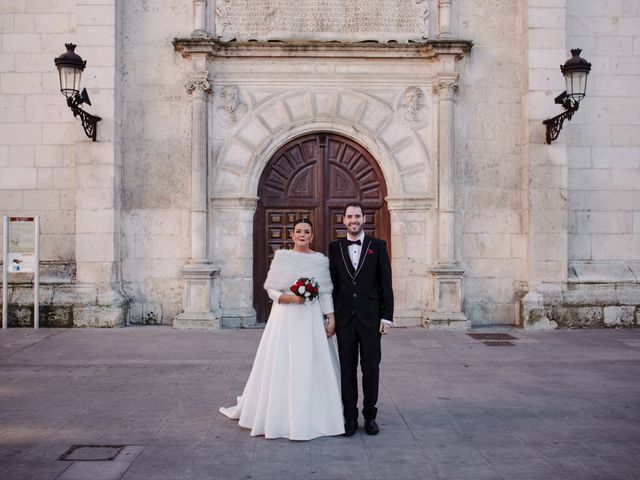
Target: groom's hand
384 327
330 325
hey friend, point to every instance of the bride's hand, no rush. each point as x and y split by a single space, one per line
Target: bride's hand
290 298
330 325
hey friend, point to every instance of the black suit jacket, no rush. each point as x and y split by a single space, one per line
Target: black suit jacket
365 291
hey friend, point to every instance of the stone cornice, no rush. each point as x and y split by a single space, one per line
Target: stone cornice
188 46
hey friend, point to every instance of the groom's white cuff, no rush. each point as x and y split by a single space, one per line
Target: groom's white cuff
390 324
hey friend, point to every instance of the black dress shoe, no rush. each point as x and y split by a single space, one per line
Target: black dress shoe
350 428
371 427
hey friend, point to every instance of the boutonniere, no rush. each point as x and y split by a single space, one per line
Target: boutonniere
370 252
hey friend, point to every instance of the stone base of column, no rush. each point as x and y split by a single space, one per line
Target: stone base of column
447 300
201 298
407 318
239 318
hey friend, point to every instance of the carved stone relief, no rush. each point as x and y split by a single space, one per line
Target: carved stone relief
353 20
411 107
233 107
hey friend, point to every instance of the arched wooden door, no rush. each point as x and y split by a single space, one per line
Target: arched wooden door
314 175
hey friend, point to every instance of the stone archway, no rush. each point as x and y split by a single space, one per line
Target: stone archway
314 175
399 152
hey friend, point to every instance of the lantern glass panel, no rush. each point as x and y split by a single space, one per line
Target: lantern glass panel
576 85
69 80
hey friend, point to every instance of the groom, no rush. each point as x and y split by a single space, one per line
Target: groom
363 301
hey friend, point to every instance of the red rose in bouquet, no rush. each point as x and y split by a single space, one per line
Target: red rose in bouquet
306 288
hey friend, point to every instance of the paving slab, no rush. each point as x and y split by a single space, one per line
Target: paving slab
557 405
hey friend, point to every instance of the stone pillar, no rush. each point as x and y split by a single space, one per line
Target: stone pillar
199 18
232 250
444 19
446 88
201 302
198 86
412 246
447 274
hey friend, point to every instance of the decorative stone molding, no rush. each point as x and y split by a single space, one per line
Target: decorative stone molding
430 49
199 81
446 86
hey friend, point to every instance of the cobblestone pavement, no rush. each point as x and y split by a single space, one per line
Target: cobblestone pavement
552 405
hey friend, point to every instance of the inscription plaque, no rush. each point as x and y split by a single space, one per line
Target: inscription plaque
324 20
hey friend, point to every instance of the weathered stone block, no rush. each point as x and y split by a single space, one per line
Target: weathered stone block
619 316
99 317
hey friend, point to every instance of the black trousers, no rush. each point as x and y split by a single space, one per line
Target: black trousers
354 338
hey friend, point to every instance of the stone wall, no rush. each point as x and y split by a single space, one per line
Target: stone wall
48 167
37 130
156 157
556 224
488 151
604 147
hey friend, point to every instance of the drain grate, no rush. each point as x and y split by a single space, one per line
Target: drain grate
499 344
91 453
491 336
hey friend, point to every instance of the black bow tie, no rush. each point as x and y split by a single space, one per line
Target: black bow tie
353 242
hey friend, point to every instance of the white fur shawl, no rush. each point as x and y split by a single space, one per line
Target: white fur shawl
288 266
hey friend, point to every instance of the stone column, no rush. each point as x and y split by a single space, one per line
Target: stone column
446 88
447 274
200 18
444 19
201 303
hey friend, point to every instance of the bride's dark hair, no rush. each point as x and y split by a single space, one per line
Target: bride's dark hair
303 220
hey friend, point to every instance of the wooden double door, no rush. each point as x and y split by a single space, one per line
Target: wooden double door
314 176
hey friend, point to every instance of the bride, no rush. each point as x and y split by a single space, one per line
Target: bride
293 390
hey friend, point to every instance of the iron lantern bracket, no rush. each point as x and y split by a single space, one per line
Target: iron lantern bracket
89 122
554 125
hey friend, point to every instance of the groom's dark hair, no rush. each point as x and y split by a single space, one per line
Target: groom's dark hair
353 204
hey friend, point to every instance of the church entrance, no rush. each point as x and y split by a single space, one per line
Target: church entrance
313 176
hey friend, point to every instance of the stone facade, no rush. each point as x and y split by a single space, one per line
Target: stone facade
153 223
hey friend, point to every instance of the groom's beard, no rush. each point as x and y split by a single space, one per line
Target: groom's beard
356 232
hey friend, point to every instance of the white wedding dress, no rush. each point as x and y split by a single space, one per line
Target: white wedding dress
293 390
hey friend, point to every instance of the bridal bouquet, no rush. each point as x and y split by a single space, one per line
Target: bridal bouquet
305 287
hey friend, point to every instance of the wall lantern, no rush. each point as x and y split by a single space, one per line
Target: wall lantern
70 66
575 71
